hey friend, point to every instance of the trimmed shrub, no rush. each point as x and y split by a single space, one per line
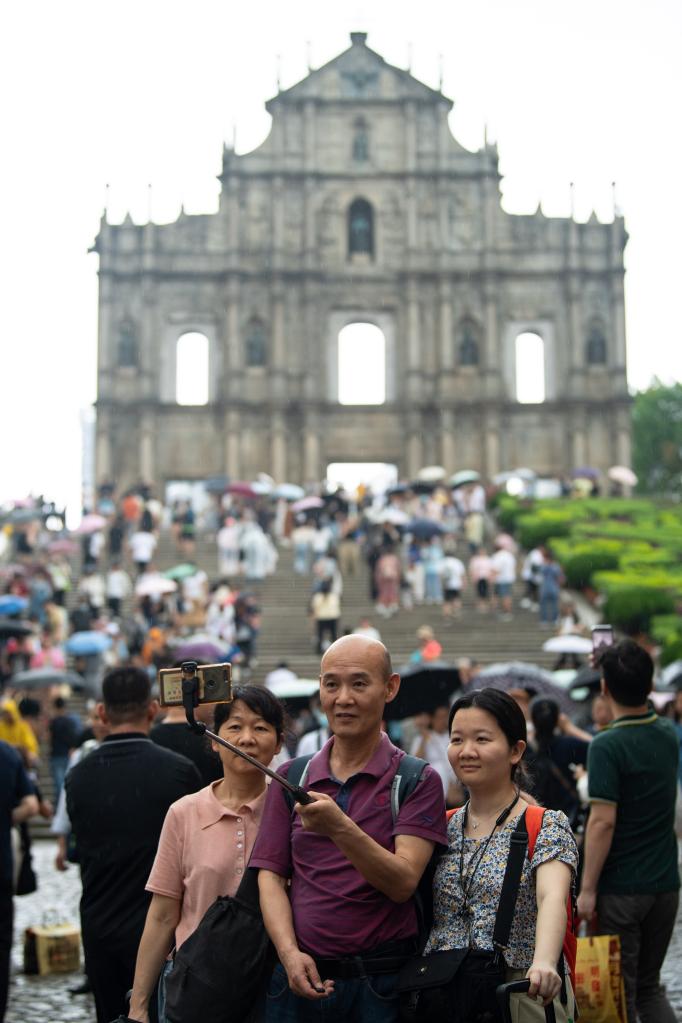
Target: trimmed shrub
534 530
631 608
580 566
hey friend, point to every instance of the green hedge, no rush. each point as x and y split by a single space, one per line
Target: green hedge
580 566
632 608
534 530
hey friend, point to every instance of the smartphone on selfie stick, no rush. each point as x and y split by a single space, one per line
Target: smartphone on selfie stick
192 684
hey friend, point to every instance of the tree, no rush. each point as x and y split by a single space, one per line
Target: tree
657 438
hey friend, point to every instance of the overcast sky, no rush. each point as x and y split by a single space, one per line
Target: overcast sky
133 92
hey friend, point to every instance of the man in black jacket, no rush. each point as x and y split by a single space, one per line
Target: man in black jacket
117 799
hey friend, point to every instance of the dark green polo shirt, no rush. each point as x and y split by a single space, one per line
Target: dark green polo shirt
633 763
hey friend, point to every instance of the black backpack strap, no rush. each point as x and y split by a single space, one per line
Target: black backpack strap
405 781
297 773
518 849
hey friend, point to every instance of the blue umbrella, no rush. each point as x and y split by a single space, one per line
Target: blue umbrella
424 529
12 605
83 644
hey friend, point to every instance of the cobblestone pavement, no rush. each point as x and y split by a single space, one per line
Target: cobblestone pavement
47 998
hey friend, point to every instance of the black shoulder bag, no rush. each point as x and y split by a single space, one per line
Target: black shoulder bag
459 985
222 968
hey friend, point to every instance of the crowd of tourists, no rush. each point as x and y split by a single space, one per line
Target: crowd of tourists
397 862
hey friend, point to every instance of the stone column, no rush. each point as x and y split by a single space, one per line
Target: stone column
448 446
492 354
147 458
415 445
578 445
492 445
447 341
618 360
278 442
233 363
103 460
233 461
414 355
312 469
278 361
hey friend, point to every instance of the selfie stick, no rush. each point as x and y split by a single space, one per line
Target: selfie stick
190 700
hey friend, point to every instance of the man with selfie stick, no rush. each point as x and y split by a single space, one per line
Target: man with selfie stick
349 921
117 798
630 875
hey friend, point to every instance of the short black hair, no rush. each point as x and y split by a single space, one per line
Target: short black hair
259 700
59 703
503 708
126 693
628 672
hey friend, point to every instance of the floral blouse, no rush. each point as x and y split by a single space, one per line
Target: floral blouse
453 928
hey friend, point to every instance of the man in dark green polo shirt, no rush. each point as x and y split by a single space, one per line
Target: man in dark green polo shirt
630 876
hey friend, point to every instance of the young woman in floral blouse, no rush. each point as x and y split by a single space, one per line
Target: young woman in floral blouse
487 742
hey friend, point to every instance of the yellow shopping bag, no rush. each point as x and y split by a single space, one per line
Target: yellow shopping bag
600 992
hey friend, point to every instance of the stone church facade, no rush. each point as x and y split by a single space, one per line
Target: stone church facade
360 206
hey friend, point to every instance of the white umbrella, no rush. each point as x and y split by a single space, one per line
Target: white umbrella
431 474
568 645
465 476
514 474
396 516
621 474
153 584
291 689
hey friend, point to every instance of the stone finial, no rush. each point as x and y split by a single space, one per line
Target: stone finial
358 38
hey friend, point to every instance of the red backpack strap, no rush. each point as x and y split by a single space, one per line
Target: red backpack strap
534 815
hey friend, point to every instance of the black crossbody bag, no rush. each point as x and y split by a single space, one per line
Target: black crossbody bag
459 985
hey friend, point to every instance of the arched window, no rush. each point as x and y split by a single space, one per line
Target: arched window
595 346
362 365
360 141
127 344
256 343
530 369
191 369
468 344
360 228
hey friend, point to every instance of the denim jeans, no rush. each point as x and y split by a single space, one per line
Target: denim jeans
549 607
645 924
359 1000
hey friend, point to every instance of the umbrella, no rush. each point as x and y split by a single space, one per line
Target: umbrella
391 514
587 678
308 504
216 484
397 488
41 678
585 472
423 687
84 644
431 474
91 524
514 474
505 541
672 675
261 488
518 675
289 491
241 489
13 628
62 546
460 479
12 605
153 584
203 652
180 572
424 529
17 516
568 645
621 474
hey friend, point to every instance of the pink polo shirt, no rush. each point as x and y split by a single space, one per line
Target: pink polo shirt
202 854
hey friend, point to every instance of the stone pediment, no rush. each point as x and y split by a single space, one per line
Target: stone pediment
358 74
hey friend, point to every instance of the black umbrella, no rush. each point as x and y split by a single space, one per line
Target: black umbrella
14 628
518 675
41 678
423 687
587 678
424 529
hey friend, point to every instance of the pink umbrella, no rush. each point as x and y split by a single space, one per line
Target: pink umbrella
90 524
241 489
62 546
506 542
307 504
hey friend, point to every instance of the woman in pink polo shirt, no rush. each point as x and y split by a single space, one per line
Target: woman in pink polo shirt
207 839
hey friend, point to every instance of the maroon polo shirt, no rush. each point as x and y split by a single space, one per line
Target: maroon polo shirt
336 911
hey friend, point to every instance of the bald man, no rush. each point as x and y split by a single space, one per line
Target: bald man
347 922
